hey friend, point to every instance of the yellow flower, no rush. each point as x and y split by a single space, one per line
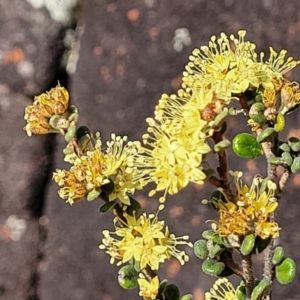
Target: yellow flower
252 210
94 167
45 106
222 290
143 240
230 66
148 290
171 161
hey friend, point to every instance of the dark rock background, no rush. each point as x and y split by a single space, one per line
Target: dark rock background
126 60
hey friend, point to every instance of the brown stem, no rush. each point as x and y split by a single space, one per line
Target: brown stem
213 180
223 169
227 259
271 171
248 274
283 180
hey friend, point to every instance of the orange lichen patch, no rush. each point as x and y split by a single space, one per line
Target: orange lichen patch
196 220
154 32
176 82
198 294
121 50
5 233
14 55
105 73
174 268
98 50
293 132
176 211
296 179
251 165
120 70
133 15
107 297
110 8
143 201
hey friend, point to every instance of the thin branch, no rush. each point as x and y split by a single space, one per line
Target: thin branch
248 274
283 180
223 168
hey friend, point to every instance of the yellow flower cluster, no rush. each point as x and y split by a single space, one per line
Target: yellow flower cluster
148 289
176 143
45 106
143 242
251 212
222 290
95 168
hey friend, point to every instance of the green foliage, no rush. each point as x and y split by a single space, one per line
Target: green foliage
245 145
93 194
260 288
278 255
200 249
266 135
127 277
171 292
107 206
248 244
213 267
285 272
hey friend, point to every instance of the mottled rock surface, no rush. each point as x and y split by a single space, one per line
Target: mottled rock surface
130 53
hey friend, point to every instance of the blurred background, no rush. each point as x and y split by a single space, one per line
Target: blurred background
116 58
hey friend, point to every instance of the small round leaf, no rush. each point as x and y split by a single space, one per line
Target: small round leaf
278 255
245 145
248 244
200 249
127 277
213 267
286 271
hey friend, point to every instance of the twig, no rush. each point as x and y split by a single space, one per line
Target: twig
248 274
268 253
283 180
223 168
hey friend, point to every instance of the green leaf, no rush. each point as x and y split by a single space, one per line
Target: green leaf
187 297
93 194
213 236
278 255
260 289
256 113
286 271
108 187
245 145
294 143
222 146
162 286
171 292
212 267
215 197
261 244
127 277
70 133
226 272
266 135
285 147
287 158
248 244
276 160
295 167
220 118
215 250
200 249
134 207
107 206
280 123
